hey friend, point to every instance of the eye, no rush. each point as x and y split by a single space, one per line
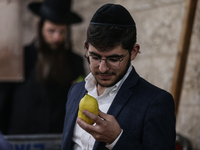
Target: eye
113 59
63 32
95 57
51 31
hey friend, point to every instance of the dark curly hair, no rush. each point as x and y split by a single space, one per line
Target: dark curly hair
106 37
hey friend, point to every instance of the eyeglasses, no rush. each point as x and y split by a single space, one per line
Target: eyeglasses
112 62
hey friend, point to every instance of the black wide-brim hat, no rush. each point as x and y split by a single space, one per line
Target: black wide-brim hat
57 11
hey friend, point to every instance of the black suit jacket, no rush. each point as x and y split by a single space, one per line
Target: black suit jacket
143 111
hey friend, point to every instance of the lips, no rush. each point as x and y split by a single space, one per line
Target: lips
105 76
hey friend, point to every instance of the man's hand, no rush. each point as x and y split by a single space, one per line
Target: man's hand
106 128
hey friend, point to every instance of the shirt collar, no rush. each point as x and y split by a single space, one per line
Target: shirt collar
91 81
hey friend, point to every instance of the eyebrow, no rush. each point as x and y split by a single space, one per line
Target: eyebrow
114 55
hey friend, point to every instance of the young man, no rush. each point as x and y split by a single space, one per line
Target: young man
133 114
37 105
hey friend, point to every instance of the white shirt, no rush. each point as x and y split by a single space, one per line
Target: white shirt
82 139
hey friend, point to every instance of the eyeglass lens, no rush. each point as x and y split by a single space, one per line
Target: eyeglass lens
111 62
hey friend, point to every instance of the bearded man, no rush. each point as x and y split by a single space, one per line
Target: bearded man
133 113
37 105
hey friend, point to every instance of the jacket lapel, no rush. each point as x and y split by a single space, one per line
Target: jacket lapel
71 119
123 94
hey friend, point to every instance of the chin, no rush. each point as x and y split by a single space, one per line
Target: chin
106 84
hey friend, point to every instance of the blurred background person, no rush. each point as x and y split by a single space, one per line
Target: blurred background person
37 105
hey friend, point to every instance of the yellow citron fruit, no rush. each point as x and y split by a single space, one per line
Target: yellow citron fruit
88 103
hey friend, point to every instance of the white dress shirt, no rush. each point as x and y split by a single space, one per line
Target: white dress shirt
82 139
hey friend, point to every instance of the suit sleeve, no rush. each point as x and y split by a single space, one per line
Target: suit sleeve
158 128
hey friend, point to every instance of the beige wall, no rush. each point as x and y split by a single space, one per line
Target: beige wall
10 40
159 25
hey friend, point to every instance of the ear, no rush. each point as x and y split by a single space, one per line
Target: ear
135 51
86 45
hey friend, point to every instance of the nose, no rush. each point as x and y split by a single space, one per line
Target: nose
57 37
103 67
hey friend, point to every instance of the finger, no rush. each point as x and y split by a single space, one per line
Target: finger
102 115
84 125
95 118
81 123
91 115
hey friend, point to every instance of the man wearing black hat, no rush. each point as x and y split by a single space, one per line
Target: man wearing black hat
37 105
133 114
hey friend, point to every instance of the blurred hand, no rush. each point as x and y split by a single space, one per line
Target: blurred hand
106 129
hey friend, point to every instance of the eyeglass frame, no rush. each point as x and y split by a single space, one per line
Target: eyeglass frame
119 59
